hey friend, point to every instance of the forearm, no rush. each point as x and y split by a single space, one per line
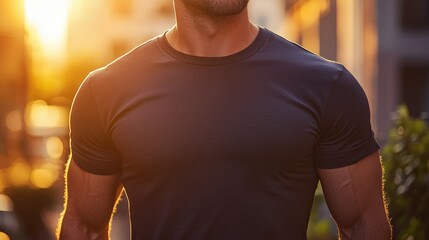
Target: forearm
71 228
89 203
366 230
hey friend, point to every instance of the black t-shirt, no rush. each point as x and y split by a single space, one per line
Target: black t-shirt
220 147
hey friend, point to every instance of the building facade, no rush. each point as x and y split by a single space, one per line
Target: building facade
403 58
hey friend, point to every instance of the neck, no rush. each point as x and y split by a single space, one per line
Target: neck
210 36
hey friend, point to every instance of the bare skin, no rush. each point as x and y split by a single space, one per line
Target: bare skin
354 194
90 200
195 33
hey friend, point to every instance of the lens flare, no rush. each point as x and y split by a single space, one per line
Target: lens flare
43 177
54 147
19 173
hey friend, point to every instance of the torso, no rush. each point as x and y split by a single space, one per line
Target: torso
217 150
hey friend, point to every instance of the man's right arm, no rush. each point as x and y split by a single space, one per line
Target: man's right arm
89 203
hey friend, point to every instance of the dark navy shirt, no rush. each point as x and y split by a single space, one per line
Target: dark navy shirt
219 148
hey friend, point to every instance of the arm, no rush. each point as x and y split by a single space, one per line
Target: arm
90 200
354 195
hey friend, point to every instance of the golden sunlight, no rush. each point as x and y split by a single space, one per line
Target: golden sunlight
54 147
4 236
47 20
19 173
43 177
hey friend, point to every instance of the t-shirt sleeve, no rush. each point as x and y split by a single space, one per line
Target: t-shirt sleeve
346 135
90 146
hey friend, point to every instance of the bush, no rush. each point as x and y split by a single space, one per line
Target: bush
405 158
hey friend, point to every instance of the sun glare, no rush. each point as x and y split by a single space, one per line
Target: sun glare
47 20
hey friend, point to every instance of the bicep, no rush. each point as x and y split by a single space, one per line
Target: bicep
354 193
90 198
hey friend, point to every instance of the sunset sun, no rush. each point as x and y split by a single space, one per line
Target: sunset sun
47 20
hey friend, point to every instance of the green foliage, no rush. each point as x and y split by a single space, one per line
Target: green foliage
321 225
405 158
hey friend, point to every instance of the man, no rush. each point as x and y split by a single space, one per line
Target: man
220 129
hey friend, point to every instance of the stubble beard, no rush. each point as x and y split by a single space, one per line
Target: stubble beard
217 7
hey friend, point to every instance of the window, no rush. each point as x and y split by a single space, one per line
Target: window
415 87
415 14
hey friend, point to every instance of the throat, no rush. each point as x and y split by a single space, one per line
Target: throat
211 40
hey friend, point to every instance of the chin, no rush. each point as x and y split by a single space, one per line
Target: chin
217 7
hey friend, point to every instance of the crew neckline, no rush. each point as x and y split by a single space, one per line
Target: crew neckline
257 44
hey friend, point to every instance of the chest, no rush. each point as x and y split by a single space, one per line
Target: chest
212 124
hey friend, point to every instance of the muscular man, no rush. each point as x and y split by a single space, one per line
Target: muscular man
220 129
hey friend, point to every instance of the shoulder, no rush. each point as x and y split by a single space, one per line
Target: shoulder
301 71
126 67
300 62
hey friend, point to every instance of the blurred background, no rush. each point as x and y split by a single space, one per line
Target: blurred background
47 47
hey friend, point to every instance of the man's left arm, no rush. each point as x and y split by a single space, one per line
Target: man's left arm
355 197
